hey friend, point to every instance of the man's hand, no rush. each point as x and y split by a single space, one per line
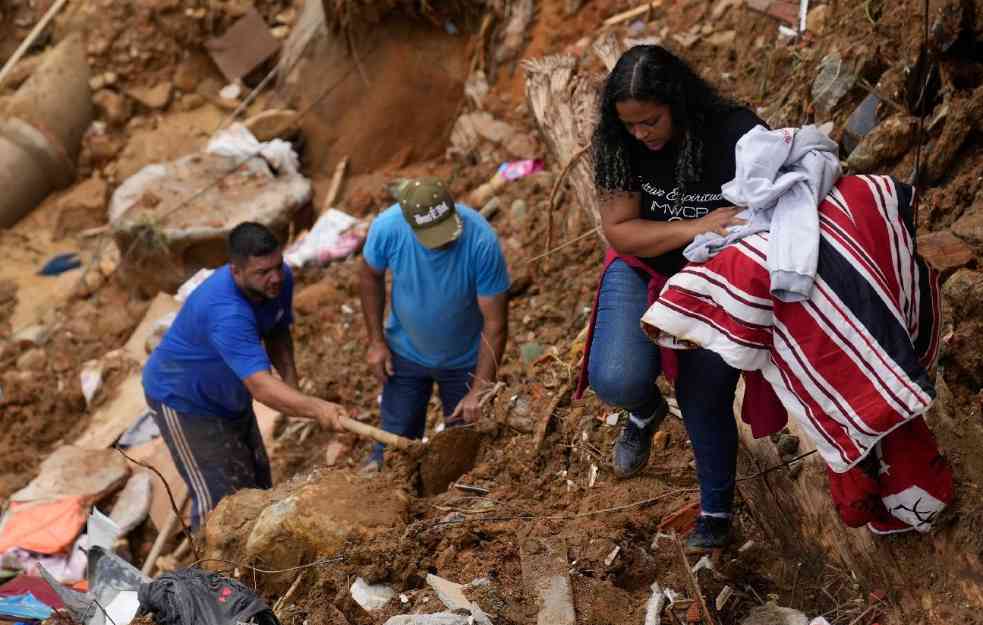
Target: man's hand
329 415
381 361
468 409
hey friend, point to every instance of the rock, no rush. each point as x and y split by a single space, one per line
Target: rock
371 597
788 445
190 102
274 124
89 282
943 251
287 17
771 614
964 295
530 352
114 108
22 71
187 75
33 359
832 83
75 472
964 115
438 618
885 143
189 235
723 39
471 128
154 98
816 19
103 147
82 208
321 516
969 227
522 146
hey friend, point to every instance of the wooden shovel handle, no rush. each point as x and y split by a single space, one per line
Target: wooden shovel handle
367 431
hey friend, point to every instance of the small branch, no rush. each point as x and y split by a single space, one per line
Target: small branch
694 583
544 424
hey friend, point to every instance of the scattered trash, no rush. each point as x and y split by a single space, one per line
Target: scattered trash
230 92
335 235
507 172
608 561
748 545
60 264
452 596
67 567
194 596
612 419
832 83
238 144
703 563
91 379
772 614
243 47
438 618
112 596
371 597
593 476
659 536
725 594
23 584
24 607
653 608
143 430
43 527
101 530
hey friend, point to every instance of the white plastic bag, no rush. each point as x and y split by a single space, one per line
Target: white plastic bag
238 143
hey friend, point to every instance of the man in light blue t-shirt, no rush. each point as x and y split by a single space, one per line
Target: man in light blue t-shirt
449 317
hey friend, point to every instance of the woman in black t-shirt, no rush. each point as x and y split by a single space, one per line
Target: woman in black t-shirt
663 147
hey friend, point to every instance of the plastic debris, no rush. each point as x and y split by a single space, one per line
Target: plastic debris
725 594
371 597
60 264
611 556
24 606
335 235
653 609
703 563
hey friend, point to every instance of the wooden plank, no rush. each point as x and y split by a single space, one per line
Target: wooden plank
545 574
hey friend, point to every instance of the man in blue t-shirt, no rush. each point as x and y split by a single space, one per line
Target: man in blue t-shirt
218 356
449 317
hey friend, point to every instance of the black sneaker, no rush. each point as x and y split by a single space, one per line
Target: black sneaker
710 533
631 450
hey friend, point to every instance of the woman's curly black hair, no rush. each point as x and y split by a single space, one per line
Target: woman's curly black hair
651 73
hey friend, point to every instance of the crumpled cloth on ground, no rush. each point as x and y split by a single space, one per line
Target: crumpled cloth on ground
781 177
238 143
197 597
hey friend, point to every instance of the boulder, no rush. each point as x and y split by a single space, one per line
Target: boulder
969 227
112 107
944 251
314 519
172 219
885 143
155 97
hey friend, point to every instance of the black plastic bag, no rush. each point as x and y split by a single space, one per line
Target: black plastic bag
197 597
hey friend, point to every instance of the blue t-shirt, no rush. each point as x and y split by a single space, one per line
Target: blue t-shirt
213 345
435 320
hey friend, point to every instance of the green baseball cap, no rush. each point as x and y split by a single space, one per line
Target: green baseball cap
430 211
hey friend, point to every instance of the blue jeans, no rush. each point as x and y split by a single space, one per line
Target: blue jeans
406 394
623 367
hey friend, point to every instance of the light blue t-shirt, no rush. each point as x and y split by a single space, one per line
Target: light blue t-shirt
214 344
435 320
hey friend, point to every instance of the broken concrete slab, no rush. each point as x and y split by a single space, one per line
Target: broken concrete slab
173 219
371 597
545 574
243 47
75 472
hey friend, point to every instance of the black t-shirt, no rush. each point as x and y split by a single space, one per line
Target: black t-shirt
656 179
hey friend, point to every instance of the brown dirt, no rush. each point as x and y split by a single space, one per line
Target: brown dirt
396 126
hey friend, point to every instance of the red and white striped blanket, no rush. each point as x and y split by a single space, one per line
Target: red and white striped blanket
849 364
